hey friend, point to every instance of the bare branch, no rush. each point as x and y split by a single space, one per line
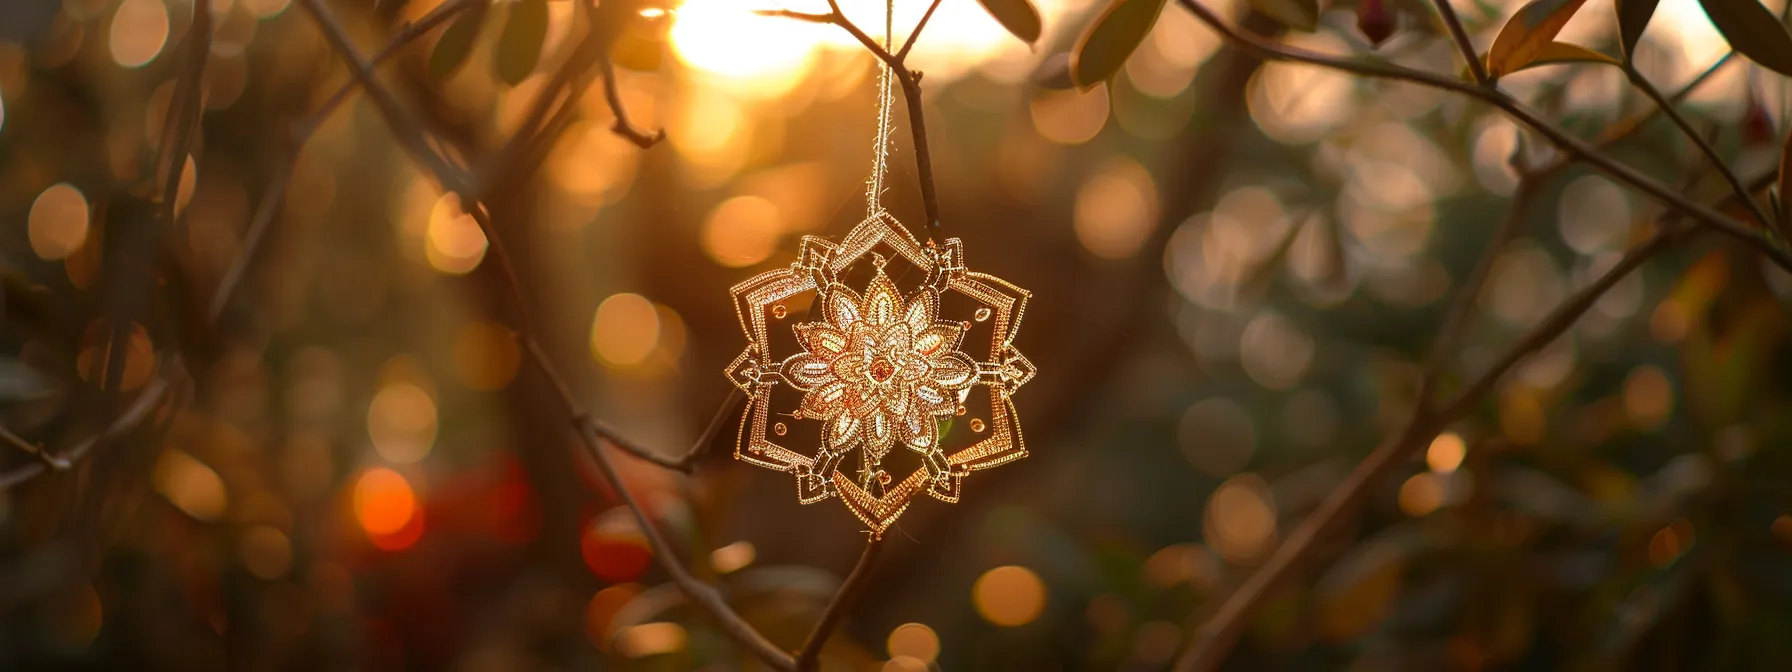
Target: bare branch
126 422
915 35
275 195
1706 216
411 135
622 126
810 658
1669 108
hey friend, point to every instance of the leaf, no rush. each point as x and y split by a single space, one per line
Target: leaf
1633 17
519 46
1754 31
1563 52
1111 39
1018 16
1527 33
1301 15
455 43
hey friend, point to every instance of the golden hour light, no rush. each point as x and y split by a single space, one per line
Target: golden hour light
733 557
650 639
1240 520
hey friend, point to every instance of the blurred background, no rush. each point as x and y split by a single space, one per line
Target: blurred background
1236 268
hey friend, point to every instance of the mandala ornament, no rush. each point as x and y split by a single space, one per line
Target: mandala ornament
923 377
878 367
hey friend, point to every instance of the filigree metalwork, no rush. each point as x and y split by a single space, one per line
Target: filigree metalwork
868 371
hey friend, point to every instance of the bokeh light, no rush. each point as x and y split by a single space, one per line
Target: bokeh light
1421 494
95 362
1445 453
733 557
384 502
1116 209
190 485
139 29
651 639
57 224
625 330
914 640
742 231
401 420
1240 519
1648 398
614 548
600 613
1009 596
453 242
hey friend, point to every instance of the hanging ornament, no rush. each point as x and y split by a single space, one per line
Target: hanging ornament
878 367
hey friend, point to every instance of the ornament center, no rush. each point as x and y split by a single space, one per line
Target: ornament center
881 369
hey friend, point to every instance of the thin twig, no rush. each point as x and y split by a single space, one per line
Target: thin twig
915 35
911 95
410 134
703 594
623 126
1215 639
1561 138
1459 35
810 658
125 423
1456 317
275 195
1669 108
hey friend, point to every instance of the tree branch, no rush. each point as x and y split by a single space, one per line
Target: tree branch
915 35
410 135
623 126
810 658
911 95
1669 108
275 195
1562 139
1459 35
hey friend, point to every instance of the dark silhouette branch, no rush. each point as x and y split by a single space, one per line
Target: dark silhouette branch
623 126
810 658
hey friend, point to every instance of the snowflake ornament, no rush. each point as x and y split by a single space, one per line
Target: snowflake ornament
834 373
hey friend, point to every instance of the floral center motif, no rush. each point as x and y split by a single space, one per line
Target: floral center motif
881 368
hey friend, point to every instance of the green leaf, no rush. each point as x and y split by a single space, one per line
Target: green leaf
1302 15
519 46
1527 33
1633 17
1018 16
455 43
1111 39
1753 31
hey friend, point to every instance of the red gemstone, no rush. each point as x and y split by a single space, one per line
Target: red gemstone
882 369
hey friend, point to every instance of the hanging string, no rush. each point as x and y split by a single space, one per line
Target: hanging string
874 187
